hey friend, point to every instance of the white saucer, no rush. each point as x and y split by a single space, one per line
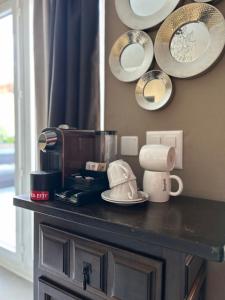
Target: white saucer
143 197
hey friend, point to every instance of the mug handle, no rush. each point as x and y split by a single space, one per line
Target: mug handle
126 175
132 191
180 185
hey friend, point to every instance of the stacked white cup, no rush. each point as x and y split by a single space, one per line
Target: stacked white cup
122 181
158 161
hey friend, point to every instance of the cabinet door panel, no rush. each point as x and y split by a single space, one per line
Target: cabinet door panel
93 256
54 251
48 291
133 277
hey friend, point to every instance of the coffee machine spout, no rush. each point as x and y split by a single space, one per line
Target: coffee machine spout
47 139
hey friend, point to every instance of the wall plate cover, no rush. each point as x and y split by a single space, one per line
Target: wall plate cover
129 145
170 138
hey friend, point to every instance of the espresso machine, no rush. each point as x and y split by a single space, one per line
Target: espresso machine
68 151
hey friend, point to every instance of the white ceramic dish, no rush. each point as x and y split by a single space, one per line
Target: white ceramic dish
143 197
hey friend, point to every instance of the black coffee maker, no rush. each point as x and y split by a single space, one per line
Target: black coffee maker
68 150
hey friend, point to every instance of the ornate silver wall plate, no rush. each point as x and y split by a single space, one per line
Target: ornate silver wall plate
190 40
154 90
143 14
206 1
131 55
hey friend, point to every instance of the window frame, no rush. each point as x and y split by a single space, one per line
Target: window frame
102 62
21 262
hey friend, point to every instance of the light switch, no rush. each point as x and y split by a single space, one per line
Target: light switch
154 139
129 145
169 138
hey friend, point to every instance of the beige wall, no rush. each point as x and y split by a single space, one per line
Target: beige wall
198 108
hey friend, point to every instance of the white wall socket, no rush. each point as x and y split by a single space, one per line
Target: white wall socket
169 138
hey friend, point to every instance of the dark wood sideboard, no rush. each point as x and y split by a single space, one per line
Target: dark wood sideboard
145 252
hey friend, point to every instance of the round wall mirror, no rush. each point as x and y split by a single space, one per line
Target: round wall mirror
143 14
153 90
131 55
144 8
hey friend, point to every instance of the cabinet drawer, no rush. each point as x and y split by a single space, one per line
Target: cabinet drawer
50 291
54 254
133 277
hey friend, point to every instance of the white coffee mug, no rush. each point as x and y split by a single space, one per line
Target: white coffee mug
157 158
158 185
124 191
119 172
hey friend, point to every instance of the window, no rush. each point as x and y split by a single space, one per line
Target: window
15 134
7 135
102 61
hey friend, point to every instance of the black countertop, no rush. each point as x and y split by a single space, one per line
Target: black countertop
191 225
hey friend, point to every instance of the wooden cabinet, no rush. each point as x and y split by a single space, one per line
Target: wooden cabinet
97 268
91 265
142 249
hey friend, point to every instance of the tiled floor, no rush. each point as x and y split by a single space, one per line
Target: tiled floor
13 287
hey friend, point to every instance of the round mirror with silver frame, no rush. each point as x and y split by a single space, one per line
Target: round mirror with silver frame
144 14
154 90
131 55
190 40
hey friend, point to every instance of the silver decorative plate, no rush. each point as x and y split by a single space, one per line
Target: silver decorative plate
154 90
190 40
206 1
143 14
131 55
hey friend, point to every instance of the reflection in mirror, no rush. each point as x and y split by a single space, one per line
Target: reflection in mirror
132 57
154 90
190 42
144 8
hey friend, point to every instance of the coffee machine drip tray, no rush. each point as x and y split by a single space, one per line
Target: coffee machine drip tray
83 187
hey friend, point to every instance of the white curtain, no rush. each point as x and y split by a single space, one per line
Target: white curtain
41 63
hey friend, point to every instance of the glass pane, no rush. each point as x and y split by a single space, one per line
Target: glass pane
7 136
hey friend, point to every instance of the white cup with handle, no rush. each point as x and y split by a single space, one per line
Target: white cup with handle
119 172
122 181
158 185
157 158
